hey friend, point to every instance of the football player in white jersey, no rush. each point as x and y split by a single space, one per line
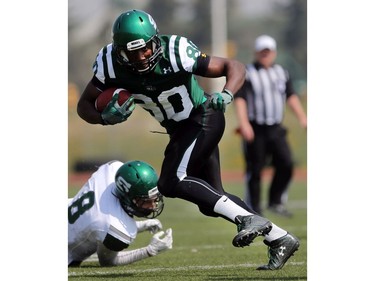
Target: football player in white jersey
101 215
159 71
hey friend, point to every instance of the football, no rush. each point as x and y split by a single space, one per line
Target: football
105 97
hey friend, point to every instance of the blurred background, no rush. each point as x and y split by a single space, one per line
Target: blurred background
218 27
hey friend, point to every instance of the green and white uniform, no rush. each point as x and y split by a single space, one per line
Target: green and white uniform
170 92
95 214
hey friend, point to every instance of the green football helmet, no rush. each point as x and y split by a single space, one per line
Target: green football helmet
136 188
134 30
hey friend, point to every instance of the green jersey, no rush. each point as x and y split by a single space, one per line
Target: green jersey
170 91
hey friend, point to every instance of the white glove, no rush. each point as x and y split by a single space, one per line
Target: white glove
159 244
152 225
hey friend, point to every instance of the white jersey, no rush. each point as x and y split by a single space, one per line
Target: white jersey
95 212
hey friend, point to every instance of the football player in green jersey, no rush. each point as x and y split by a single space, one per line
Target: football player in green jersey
159 71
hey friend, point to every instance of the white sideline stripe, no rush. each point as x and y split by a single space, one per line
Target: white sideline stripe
94 257
185 268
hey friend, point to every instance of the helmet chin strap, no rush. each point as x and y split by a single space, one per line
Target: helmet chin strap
146 63
123 54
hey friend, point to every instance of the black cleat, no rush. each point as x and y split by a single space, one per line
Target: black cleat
280 250
250 227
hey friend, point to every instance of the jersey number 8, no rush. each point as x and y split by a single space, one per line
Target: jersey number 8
81 205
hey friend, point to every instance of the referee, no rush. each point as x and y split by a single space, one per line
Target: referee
260 107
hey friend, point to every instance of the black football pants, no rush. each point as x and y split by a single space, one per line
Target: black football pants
270 143
191 166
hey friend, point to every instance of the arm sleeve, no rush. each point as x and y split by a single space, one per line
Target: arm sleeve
242 92
96 82
114 244
247 87
289 89
202 64
112 258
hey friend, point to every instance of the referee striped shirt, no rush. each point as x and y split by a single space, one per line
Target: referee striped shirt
266 91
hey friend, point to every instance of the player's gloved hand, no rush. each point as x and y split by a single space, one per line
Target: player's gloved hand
152 225
219 101
114 113
159 244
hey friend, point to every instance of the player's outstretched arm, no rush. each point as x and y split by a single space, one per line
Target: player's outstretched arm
160 242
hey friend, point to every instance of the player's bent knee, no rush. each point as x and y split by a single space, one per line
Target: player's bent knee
168 190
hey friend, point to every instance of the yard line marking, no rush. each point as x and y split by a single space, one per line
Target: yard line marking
185 268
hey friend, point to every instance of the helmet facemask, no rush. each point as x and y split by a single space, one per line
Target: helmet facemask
124 55
142 206
148 207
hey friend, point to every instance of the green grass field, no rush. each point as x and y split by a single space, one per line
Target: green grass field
202 247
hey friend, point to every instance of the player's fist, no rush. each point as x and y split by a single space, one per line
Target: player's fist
160 242
152 225
114 113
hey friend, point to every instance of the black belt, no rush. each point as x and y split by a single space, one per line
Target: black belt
254 124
